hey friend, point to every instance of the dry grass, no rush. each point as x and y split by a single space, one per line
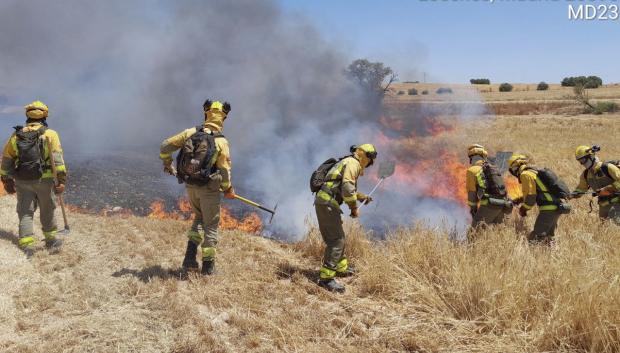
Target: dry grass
115 287
522 93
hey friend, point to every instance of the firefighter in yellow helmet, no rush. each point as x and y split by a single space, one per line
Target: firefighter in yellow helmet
204 165
603 178
535 192
340 186
27 172
485 206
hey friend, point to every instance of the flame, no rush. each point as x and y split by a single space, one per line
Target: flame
2 192
513 188
250 224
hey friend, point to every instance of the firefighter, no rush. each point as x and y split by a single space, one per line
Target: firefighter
481 210
535 192
26 171
340 186
204 188
603 178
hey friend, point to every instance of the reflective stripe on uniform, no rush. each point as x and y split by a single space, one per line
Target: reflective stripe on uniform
208 253
548 207
480 180
526 206
51 235
484 202
194 236
26 241
343 265
327 197
472 203
543 188
327 273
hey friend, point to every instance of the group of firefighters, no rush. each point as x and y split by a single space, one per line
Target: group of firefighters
603 178
204 166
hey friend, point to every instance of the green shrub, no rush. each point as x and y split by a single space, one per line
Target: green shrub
412 92
605 107
425 92
400 93
543 86
480 81
586 82
505 87
442 90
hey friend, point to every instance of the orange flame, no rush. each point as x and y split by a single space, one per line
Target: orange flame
513 188
250 224
2 192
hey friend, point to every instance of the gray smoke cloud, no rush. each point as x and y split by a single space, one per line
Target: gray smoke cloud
122 75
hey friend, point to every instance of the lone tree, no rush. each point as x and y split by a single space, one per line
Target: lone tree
371 76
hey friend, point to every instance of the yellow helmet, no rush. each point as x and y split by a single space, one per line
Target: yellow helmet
583 151
516 160
476 150
36 110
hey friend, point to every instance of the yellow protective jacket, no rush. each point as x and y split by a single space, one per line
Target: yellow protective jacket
341 184
10 155
475 185
222 163
595 178
535 192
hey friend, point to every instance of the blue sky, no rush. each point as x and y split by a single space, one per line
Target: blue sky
453 41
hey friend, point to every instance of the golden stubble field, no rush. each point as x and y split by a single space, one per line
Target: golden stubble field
115 287
490 93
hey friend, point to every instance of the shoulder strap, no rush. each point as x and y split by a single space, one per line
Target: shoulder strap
18 128
605 169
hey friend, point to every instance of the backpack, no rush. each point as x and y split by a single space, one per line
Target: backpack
605 167
555 185
495 186
30 146
196 159
317 179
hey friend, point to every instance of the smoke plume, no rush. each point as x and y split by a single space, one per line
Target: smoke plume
121 76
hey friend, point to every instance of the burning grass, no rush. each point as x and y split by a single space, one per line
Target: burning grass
115 286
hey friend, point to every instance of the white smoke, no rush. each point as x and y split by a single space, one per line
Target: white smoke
122 75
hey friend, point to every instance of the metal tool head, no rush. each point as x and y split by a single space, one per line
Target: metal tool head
273 213
501 161
386 169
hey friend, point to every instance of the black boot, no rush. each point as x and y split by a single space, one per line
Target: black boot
189 262
331 285
53 244
208 267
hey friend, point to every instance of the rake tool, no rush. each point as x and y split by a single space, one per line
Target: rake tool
386 169
59 196
255 204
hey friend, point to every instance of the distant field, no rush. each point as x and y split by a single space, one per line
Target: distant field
491 93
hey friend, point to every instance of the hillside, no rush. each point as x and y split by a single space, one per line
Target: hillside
115 286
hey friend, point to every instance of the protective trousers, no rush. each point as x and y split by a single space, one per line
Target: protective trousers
488 214
30 194
544 227
205 202
330 225
610 211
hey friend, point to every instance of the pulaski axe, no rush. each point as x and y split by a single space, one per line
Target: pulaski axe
386 169
257 205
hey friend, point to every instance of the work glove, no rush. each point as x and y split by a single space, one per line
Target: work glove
168 168
61 178
226 108
522 211
354 212
363 198
230 193
59 189
9 185
604 192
